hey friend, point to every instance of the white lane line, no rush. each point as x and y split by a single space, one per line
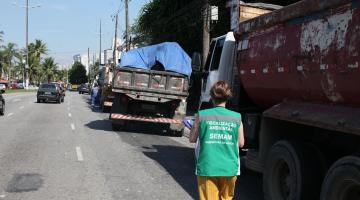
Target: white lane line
79 154
69 114
21 107
10 114
72 126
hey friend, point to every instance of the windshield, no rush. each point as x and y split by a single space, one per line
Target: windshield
47 86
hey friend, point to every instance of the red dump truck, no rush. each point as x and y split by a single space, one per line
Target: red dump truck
297 85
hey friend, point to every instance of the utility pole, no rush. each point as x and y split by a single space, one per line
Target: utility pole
88 62
127 25
100 45
206 30
27 47
115 40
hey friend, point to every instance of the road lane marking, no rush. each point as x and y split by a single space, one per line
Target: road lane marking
72 126
69 114
79 154
21 107
10 114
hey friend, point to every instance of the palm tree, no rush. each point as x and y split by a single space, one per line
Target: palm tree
36 50
20 64
9 53
49 68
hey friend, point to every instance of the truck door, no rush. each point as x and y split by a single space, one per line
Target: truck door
211 67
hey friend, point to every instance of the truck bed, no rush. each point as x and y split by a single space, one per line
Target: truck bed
308 51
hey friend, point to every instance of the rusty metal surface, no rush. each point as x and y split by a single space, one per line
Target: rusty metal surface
299 9
326 116
313 58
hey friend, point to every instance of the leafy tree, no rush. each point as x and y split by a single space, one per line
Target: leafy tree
179 21
19 65
94 70
77 74
61 75
36 50
49 68
9 53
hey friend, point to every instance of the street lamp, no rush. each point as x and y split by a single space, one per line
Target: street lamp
27 40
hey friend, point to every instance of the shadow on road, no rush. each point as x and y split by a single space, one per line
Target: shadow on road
179 163
102 125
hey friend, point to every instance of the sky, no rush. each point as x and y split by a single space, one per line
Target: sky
68 27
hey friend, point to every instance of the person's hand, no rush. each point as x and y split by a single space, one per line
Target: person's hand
188 122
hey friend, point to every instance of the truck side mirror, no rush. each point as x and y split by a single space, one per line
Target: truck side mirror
196 62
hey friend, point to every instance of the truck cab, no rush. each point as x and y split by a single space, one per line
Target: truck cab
219 65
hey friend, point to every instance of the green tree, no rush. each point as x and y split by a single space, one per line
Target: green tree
49 68
94 70
61 75
77 74
36 50
9 53
179 21
19 65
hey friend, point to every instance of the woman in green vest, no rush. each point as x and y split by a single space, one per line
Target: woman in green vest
218 133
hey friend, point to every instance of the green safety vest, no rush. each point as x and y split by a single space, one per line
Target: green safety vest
217 149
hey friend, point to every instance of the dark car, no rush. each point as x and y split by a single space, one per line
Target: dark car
50 92
84 88
2 103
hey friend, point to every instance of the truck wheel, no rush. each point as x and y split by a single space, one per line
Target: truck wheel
291 171
342 181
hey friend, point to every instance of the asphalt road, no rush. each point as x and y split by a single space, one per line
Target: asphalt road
68 151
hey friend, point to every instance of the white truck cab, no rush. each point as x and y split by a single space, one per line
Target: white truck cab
220 65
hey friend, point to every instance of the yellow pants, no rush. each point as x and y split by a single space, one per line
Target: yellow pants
215 188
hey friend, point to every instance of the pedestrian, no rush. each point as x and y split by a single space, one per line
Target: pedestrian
218 133
94 93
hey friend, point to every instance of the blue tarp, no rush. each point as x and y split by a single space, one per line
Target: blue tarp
169 54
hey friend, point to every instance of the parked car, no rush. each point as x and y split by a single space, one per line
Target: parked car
2 86
2 102
50 92
84 88
15 86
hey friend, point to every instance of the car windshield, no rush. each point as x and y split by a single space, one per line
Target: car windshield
47 86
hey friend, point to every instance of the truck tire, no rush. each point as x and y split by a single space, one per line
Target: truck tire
291 172
252 162
342 181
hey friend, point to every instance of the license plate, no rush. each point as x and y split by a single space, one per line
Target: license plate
47 93
148 107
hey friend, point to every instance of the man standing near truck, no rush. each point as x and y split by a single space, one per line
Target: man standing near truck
219 134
